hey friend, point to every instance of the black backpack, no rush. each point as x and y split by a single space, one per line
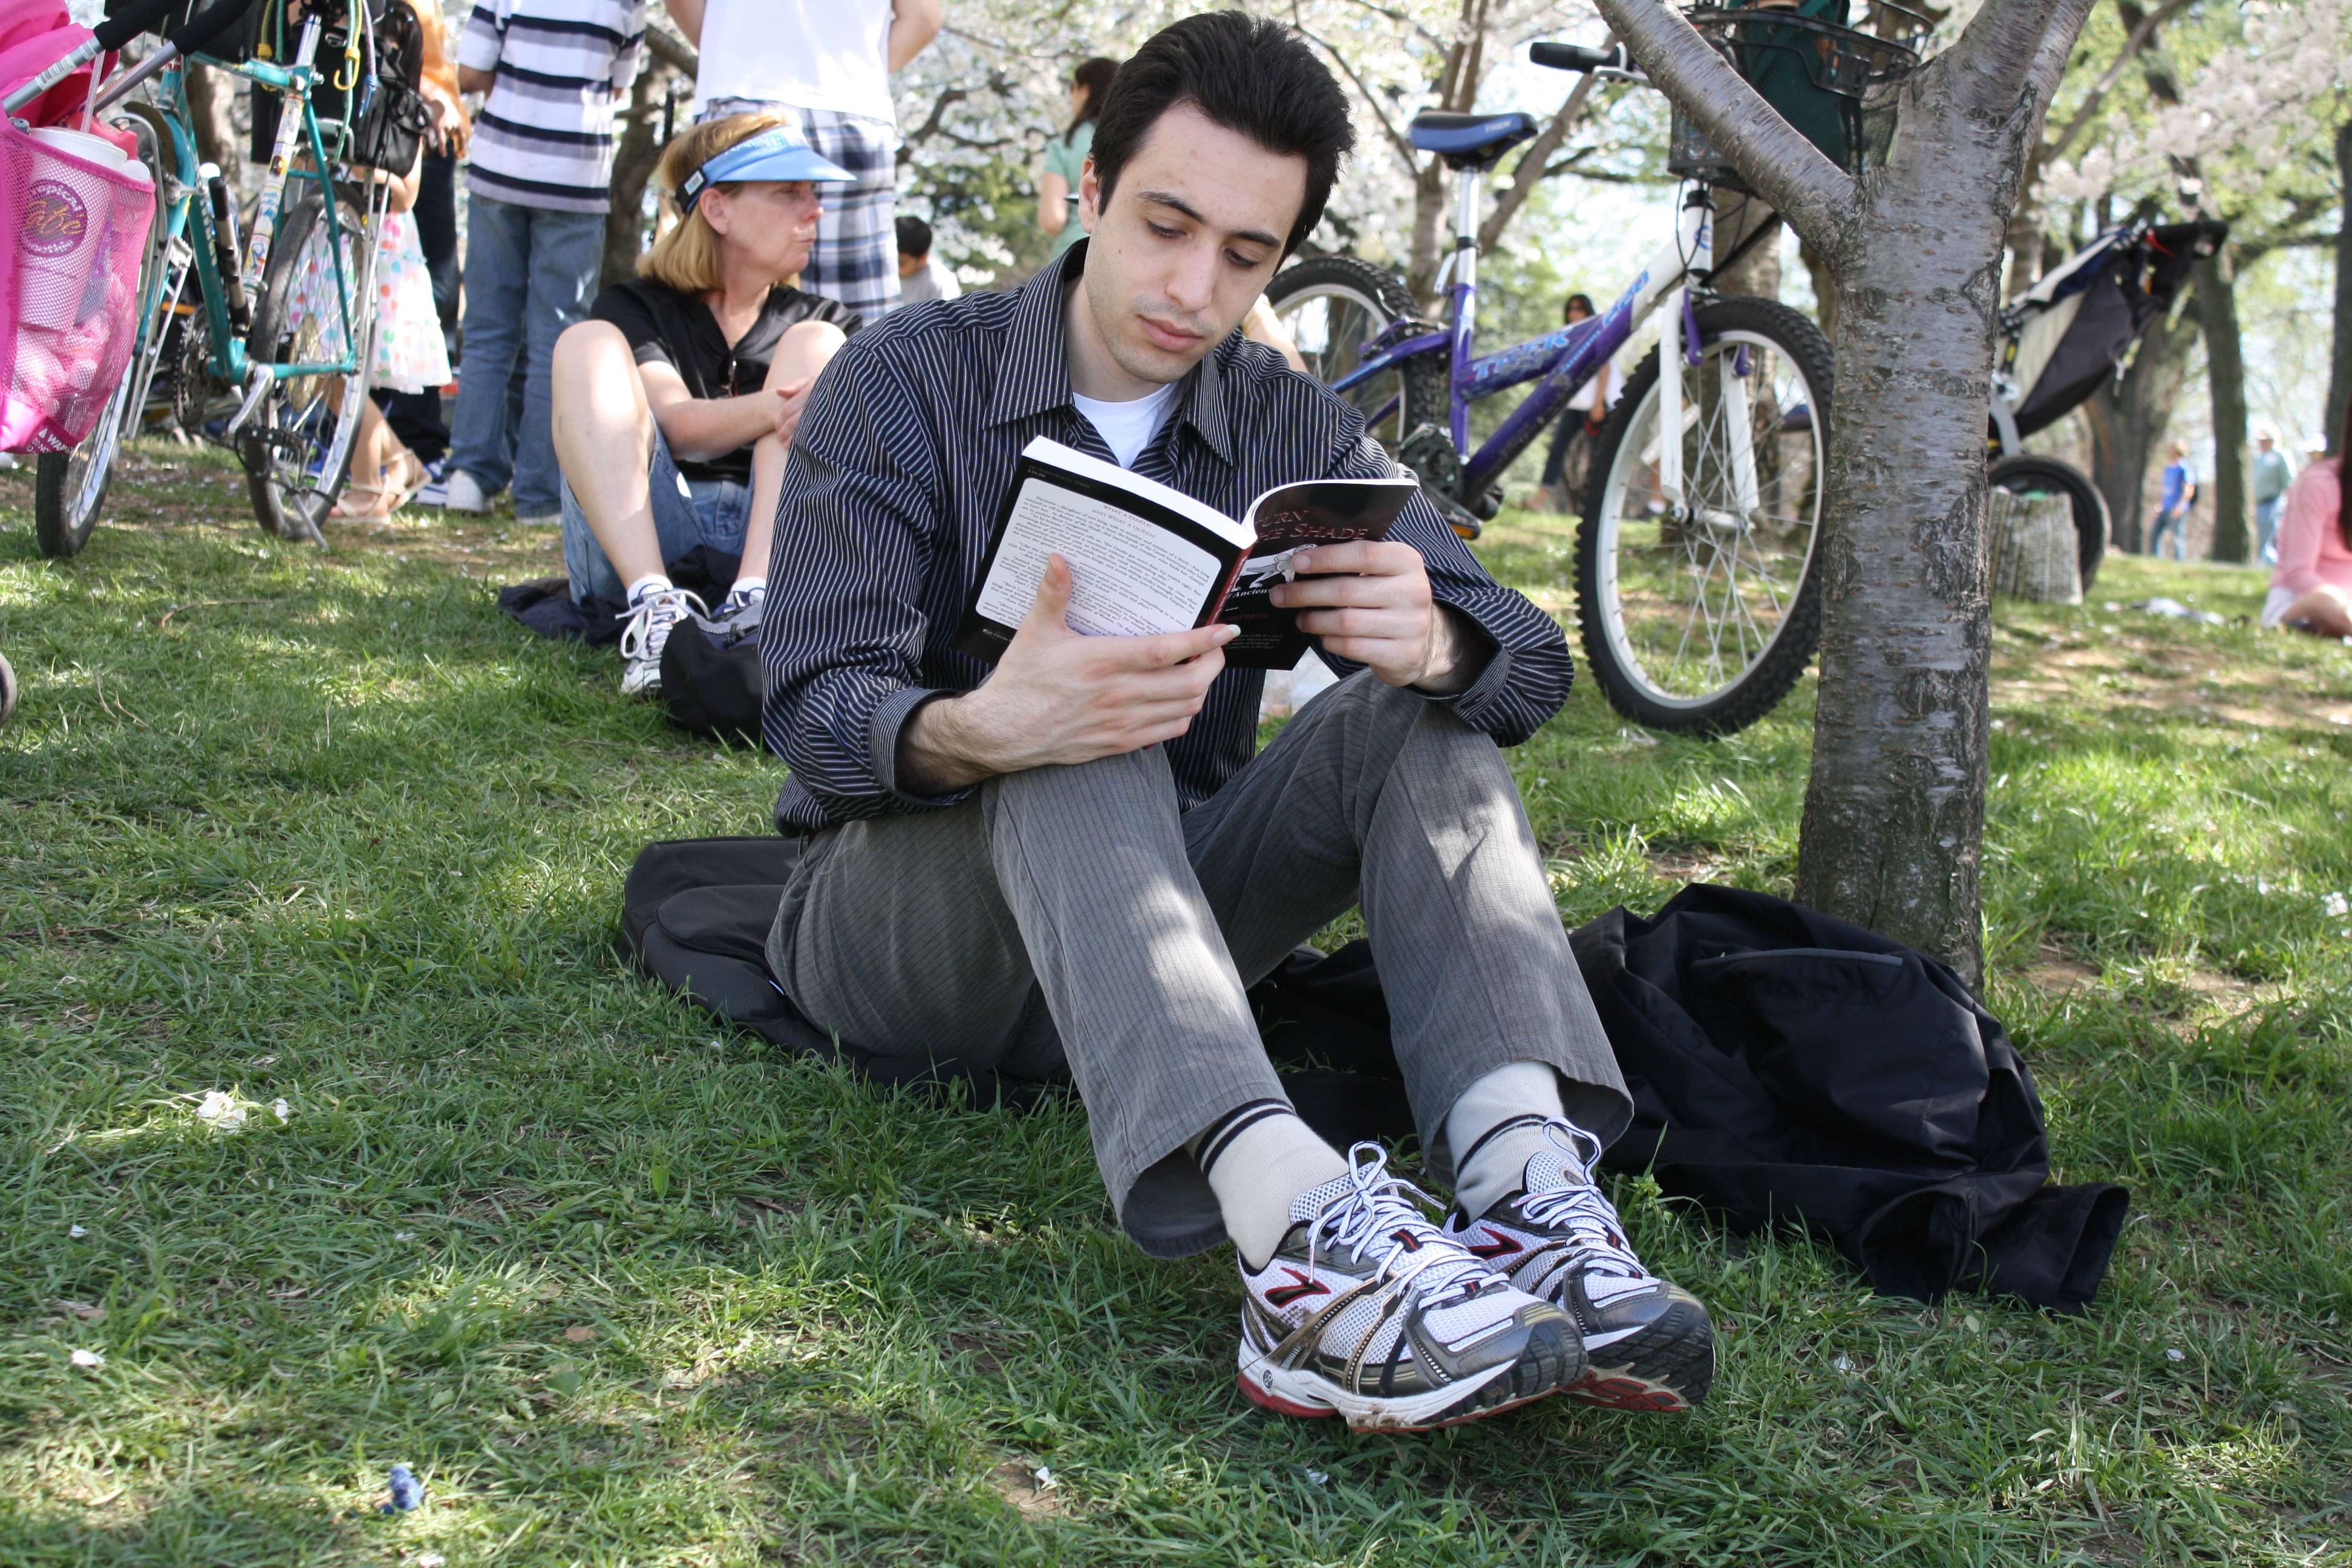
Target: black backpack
393 120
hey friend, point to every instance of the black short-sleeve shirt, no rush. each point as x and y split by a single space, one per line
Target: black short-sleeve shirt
667 326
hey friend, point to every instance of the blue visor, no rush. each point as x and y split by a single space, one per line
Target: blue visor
780 153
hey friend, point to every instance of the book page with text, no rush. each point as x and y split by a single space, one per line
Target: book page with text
1129 576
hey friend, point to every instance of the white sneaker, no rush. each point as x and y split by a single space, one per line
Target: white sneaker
464 494
652 620
1366 1310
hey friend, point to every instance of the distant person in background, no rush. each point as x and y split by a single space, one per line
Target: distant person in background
418 418
540 184
830 62
2311 589
677 402
1066 155
2272 476
1562 486
919 277
2172 507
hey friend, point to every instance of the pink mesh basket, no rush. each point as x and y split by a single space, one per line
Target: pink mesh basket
77 231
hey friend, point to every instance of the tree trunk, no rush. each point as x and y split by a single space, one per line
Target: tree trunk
1895 810
1431 186
1758 273
2225 371
2128 420
2339 373
633 167
1824 288
212 118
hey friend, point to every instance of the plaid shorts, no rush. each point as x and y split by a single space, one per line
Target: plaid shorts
856 256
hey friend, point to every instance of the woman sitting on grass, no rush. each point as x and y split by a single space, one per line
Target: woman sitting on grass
2311 589
676 401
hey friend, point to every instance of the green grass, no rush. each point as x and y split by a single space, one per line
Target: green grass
626 1288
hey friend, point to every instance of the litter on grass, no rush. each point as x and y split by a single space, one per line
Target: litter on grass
1044 1477
86 1358
2175 610
407 1491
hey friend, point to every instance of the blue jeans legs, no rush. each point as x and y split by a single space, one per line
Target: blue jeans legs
529 273
686 512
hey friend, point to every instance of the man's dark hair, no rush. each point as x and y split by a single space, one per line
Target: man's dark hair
914 236
1245 73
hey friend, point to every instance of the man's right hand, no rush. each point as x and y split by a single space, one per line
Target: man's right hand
1059 698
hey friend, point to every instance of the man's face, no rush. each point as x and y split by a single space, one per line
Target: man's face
774 222
1188 241
911 265
2263 442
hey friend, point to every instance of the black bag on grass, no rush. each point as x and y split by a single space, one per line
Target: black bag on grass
713 688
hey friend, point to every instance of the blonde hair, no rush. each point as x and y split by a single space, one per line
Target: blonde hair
685 256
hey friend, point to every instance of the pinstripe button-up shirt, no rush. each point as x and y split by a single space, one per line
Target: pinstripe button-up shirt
896 475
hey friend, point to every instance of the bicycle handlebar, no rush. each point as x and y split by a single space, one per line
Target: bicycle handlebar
1576 58
202 28
132 20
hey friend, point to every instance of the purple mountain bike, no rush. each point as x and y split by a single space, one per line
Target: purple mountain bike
1696 578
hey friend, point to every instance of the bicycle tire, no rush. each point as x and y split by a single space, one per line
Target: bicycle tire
297 447
2027 473
1660 555
7 689
1331 344
70 488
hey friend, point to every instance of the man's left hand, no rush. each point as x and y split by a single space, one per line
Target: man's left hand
1374 606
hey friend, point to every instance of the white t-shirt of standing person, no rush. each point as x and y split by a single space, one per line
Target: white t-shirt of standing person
815 54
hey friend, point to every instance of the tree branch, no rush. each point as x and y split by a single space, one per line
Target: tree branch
1403 147
673 51
1532 166
2136 41
1999 50
1814 194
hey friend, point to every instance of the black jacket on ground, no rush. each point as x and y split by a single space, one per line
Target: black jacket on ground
1790 1070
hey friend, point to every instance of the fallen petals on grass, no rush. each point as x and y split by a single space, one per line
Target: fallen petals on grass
86 1358
279 1109
222 1111
75 1232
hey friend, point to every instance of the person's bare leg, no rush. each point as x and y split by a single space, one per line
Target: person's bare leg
366 492
803 351
605 443
2325 610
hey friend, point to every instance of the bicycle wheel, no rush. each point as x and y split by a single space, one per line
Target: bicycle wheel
2029 476
1699 614
70 488
297 447
7 689
1332 306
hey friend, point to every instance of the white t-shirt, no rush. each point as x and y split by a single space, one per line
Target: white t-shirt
1127 428
811 54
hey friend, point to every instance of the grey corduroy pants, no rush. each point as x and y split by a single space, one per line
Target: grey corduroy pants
1071 917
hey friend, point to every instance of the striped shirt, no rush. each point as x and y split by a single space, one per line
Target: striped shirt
902 460
544 139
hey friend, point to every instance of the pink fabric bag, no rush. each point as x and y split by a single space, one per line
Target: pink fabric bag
77 231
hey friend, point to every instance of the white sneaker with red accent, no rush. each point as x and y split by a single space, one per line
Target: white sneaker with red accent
1648 1343
1366 1311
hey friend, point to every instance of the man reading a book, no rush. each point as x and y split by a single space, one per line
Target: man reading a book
1071 866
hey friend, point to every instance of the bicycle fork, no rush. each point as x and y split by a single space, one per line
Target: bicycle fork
1678 340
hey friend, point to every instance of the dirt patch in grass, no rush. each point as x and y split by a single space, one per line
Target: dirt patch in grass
1020 1485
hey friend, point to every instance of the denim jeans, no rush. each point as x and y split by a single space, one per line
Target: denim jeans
686 512
529 273
2175 524
2266 530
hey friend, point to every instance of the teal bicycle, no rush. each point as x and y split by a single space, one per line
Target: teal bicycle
259 342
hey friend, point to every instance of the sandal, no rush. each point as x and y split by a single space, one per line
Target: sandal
403 477
343 511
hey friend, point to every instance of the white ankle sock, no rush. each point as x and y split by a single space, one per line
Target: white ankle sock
650 583
1524 1092
1257 1159
747 586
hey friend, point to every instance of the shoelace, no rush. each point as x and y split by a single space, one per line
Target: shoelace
1378 1208
1588 1216
655 616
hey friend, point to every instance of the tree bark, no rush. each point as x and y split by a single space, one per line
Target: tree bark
212 106
1757 274
2225 375
1893 817
634 158
1824 288
2128 419
2339 373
